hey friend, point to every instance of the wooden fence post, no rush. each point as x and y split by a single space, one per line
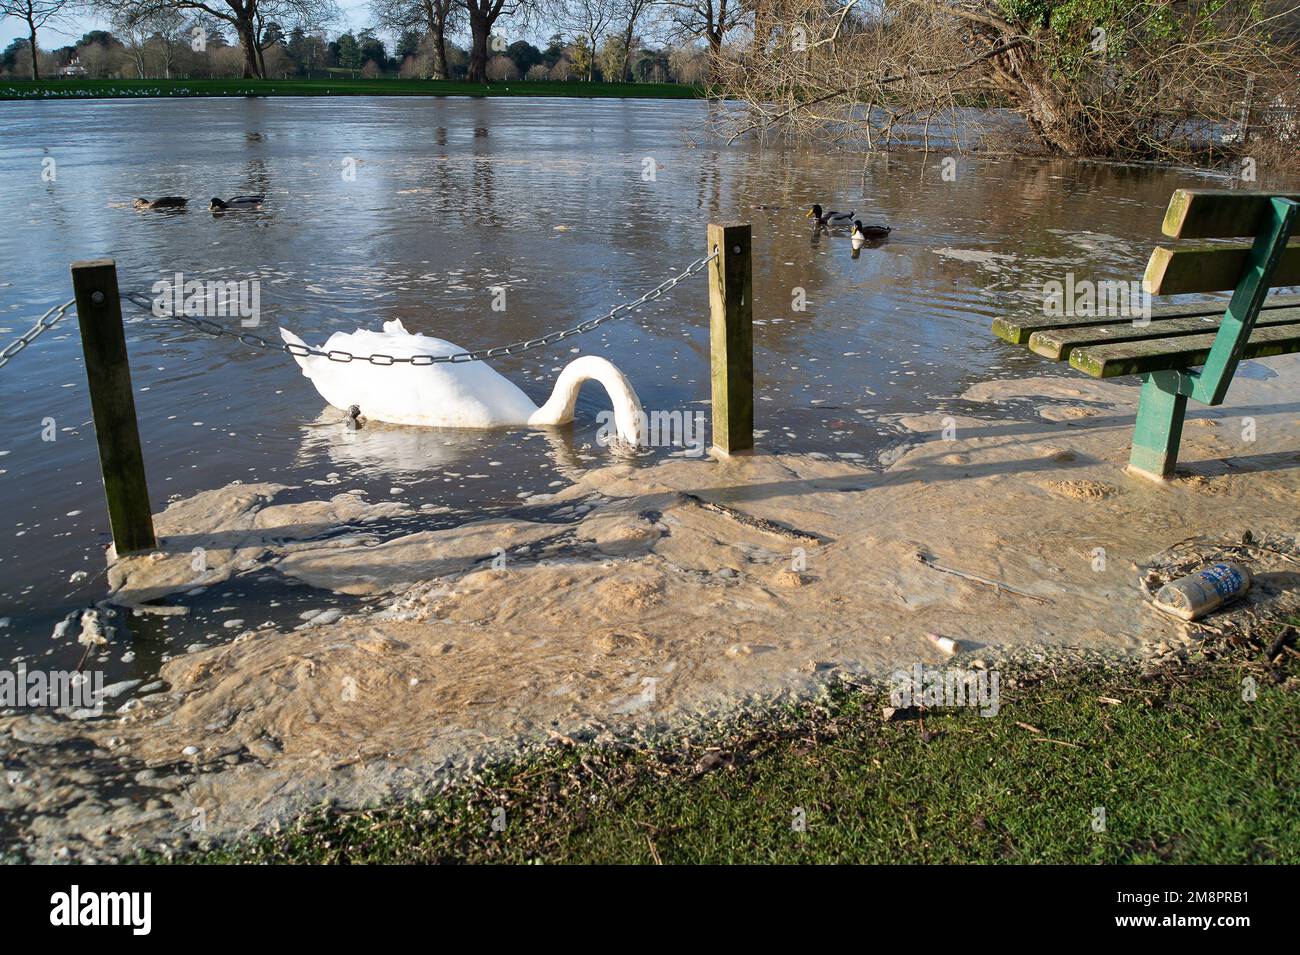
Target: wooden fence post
103 341
731 334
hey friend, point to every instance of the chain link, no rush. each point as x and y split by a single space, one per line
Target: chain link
43 324
215 329
252 339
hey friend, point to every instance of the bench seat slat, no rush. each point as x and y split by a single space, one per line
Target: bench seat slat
1187 351
1057 344
1018 330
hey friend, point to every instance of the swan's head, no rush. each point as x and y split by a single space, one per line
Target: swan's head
815 212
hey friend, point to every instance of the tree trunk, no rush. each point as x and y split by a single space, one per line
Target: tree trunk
480 26
1051 118
31 25
440 71
248 42
439 35
625 74
435 18
714 56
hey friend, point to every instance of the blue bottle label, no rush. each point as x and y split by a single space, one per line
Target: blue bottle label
1225 580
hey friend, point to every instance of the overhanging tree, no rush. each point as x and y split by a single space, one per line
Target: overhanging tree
1151 79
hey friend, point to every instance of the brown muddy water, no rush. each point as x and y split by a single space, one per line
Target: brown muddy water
453 199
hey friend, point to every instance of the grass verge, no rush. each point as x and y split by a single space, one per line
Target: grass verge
126 89
1185 769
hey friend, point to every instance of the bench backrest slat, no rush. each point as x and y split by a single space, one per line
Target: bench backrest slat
1181 270
1218 213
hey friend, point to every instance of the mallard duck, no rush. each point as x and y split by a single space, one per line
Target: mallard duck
865 232
237 202
829 218
162 202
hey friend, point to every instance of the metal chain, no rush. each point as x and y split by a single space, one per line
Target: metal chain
209 327
43 324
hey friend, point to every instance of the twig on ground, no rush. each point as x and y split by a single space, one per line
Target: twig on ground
995 584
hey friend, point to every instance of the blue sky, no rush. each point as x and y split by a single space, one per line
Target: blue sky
356 15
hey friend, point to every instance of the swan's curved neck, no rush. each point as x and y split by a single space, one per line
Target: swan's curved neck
559 407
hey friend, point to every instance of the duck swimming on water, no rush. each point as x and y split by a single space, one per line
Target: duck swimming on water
828 218
162 202
236 202
864 232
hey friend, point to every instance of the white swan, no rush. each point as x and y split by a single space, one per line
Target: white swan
452 395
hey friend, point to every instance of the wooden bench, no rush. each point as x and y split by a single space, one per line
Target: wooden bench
1211 336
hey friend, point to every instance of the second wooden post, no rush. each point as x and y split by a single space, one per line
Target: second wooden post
731 335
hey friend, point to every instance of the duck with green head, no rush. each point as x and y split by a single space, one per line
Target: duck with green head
828 218
865 233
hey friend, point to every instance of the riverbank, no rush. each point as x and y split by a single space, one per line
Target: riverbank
651 609
1119 763
153 88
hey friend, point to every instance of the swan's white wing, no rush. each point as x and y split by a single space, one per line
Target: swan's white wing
445 395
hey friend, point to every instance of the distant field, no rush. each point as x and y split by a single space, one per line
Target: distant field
119 89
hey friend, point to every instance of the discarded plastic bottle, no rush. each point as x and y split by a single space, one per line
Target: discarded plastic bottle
1197 594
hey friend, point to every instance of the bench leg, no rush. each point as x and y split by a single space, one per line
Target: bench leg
1159 426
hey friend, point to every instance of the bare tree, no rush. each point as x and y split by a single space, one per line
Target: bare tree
709 20
1152 79
628 14
436 17
248 17
169 29
590 19
35 13
135 41
159 31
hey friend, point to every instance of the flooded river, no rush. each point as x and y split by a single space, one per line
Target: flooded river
436 210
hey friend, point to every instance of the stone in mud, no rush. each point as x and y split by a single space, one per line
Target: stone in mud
117 689
380 643
615 641
788 580
319 618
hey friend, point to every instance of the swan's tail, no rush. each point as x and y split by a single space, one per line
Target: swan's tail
291 339
628 416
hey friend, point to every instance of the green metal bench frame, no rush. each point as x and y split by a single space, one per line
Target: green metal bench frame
1163 402
1164 350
